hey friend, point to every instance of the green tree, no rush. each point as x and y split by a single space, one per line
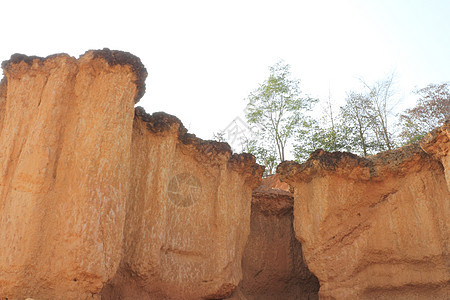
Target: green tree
264 155
276 110
358 121
431 110
367 118
219 136
309 138
332 131
380 96
314 135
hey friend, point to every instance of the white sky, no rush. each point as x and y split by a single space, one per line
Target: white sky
205 57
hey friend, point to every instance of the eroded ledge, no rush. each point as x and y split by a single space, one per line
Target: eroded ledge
112 57
375 227
161 123
437 142
321 163
273 197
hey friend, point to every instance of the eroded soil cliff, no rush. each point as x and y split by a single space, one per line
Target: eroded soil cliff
64 171
188 214
95 194
102 200
375 227
437 144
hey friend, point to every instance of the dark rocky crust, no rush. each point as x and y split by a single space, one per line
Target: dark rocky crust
115 57
345 163
112 57
160 122
433 146
273 203
272 197
18 57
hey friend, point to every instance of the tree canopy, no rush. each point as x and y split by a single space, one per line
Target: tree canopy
276 111
432 109
280 119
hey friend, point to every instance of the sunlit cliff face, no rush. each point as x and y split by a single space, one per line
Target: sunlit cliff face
189 209
98 195
99 199
375 227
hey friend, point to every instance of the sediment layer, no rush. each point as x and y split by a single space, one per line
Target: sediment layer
375 227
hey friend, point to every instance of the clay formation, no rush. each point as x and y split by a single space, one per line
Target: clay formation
64 171
99 199
375 228
95 195
188 214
